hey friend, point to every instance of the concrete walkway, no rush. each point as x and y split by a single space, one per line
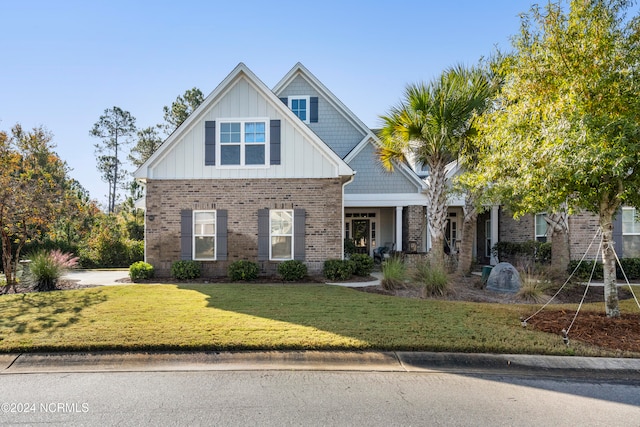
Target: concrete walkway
104 277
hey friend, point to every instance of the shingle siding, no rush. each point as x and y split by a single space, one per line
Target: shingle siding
332 127
372 178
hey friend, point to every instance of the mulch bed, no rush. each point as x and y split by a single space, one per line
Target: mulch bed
621 334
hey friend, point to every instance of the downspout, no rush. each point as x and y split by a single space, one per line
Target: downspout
349 181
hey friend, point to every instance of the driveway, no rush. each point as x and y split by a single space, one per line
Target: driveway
98 277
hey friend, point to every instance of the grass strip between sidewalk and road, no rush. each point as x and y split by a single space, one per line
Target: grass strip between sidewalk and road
266 317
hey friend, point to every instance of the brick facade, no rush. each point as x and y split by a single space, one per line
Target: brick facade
515 230
413 225
582 228
320 198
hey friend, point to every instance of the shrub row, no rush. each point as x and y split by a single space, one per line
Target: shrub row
510 251
631 268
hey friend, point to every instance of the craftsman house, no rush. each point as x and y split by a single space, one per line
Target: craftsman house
269 175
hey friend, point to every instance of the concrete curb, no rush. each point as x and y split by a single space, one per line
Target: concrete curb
461 363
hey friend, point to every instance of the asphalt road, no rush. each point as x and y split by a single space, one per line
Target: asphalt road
312 398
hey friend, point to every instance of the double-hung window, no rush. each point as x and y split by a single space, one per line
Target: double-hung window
243 142
204 235
300 107
281 234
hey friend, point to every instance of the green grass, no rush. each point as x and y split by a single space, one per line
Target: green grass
266 317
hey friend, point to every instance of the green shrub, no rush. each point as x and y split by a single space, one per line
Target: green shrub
185 270
46 267
532 249
394 273
338 269
363 264
292 270
349 247
141 270
243 270
433 279
584 268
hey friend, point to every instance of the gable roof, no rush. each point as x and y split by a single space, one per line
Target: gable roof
369 135
242 71
301 70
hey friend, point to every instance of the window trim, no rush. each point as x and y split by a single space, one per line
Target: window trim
292 235
194 235
292 98
487 239
243 144
537 235
635 221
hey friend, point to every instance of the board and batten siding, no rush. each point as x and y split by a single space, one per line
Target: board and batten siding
300 158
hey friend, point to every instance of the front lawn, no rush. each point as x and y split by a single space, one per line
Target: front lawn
265 317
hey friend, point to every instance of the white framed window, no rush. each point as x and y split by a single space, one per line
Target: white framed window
204 235
281 234
487 237
630 223
300 107
541 227
243 142
630 233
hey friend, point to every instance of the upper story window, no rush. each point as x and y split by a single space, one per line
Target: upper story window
243 142
300 107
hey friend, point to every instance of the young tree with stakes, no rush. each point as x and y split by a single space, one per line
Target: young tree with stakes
566 132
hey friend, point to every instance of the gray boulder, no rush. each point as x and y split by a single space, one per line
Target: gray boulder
504 278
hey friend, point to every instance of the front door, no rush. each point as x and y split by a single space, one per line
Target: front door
360 235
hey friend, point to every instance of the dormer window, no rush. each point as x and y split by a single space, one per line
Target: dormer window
305 107
300 107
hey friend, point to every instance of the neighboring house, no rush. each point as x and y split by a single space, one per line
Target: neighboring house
272 175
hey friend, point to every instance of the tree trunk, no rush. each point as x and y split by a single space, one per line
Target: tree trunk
469 226
437 210
7 265
560 255
609 261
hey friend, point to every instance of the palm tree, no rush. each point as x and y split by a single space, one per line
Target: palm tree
433 124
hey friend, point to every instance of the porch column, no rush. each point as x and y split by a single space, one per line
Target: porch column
494 231
398 228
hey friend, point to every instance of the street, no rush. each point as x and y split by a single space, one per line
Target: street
312 398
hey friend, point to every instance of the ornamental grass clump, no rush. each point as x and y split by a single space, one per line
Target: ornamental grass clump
432 278
46 268
533 288
394 274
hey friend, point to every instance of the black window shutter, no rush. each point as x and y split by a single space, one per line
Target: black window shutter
186 234
617 234
221 235
263 234
210 143
274 142
285 100
299 223
313 109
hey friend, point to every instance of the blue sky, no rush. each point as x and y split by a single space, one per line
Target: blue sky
65 62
